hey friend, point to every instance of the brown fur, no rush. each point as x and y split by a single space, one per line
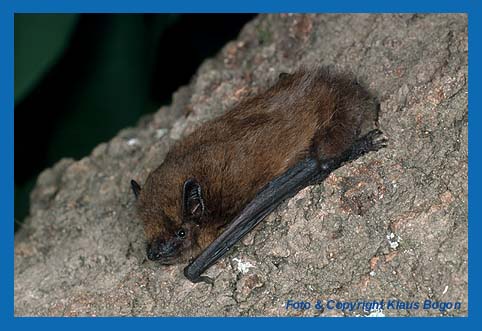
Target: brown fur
309 113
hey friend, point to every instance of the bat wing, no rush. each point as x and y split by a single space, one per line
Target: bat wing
271 196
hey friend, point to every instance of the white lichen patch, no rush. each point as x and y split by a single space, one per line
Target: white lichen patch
392 241
243 267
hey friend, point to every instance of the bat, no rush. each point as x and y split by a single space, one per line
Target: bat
216 184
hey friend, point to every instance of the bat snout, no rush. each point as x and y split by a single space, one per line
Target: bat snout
153 255
161 250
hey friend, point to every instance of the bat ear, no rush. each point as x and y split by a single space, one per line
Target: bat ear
136 188
192 200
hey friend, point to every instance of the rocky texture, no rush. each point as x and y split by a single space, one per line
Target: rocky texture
392 225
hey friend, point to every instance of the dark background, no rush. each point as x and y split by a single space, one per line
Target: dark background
81 78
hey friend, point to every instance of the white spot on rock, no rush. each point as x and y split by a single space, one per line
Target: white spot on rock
160 133
376 313
133 141
243 267
445 290
392 241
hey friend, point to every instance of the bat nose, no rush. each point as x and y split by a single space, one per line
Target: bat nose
153 255
157 250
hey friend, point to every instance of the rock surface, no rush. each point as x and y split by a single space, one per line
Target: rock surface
391 225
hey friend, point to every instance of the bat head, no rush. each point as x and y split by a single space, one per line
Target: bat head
171 219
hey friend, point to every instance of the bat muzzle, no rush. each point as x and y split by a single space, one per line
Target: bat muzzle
162 251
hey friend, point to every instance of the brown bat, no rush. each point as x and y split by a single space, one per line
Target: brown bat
220 181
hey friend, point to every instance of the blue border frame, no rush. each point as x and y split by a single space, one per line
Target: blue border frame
9 7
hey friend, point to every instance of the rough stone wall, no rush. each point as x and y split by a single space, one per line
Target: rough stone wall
391 225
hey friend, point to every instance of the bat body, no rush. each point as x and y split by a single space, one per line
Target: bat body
217 183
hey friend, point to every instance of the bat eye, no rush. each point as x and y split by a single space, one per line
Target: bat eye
181 233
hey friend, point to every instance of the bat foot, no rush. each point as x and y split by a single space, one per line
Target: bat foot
376 140
371 142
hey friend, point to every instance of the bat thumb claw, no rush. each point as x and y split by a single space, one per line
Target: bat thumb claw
203 279
206 279
198 278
